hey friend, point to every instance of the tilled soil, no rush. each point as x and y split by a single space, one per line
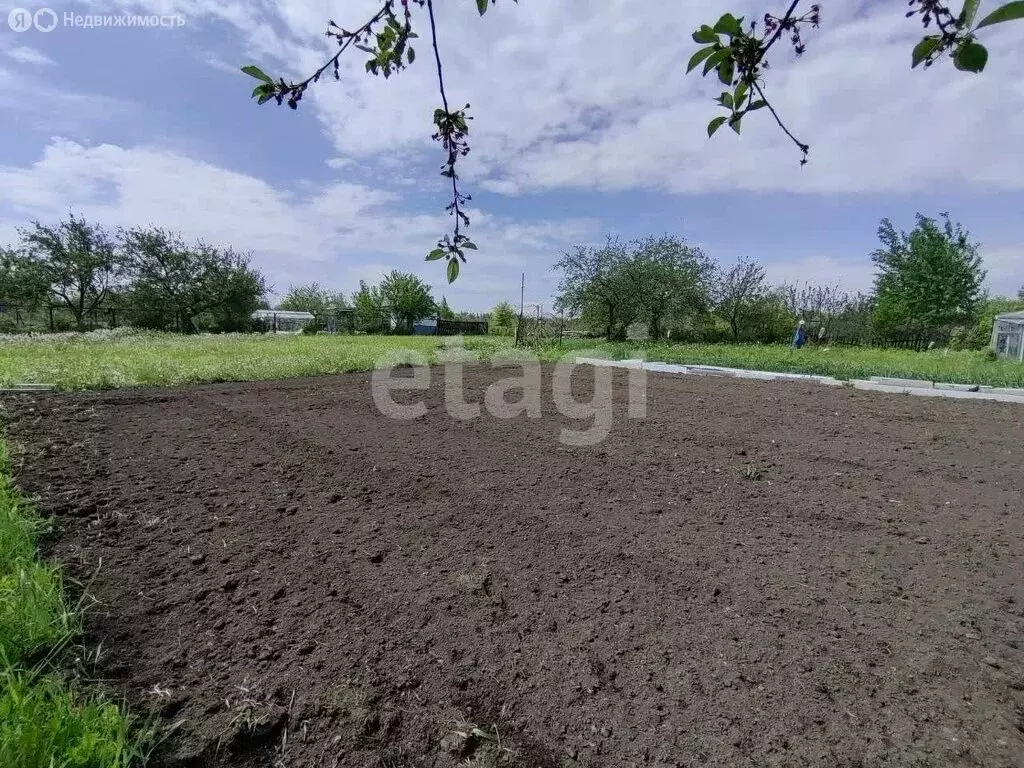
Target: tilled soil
755 574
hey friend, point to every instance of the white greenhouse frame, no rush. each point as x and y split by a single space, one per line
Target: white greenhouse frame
1008 336
283 321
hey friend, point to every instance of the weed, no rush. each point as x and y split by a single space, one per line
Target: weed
750 472
45 721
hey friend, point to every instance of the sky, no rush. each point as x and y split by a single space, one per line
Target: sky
585 124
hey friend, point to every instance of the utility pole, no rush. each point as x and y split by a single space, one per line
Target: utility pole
522 300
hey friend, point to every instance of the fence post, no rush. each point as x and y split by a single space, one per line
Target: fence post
51 318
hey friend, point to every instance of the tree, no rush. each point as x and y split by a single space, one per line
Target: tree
669 279
817 304
312 298
595 285
77 260
370 307
654 279
928 279
737 294
183 286
502 319
1020 293
734 52
407 297
23 281
444 311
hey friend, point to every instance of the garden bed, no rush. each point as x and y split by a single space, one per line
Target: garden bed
757 573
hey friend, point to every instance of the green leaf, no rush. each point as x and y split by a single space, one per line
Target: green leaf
968 12
735 125
924 49
259 74
725 99
470 245
716 58
481 5
265 98
758 104
970 57
699 56
434 255
715 124
728 25
411 53
453 270
725 71
740 94
705 35
1008 12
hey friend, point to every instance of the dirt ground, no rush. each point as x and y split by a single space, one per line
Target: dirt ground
755 574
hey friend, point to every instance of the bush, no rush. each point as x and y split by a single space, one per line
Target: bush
312 328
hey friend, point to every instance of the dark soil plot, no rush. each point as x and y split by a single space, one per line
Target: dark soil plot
756 574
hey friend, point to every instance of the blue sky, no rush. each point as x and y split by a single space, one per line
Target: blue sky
580 130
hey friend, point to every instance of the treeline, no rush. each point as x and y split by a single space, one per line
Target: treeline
147 277
928 284
393 305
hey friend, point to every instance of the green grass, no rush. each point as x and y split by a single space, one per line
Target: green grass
964 367
152 359
45 721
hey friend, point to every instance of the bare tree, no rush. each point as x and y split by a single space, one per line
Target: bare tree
737 292
818 304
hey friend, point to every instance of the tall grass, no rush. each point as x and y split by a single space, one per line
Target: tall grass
130 359
44 721
157 359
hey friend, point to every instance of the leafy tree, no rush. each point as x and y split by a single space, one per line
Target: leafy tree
735 52
312 298
928 279
652 279
738 293
79 261
370 307
183 286
23 281
502 320
407 297
444 311
670 280
1020 293
595 284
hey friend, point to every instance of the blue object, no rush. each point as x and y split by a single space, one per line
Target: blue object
800 338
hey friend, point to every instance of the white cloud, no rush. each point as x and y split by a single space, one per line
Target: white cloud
26 55
573 94
336 233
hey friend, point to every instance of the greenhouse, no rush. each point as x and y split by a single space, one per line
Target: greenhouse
283 321
1008 336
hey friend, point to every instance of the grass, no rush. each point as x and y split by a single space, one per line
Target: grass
958 367
45 721
123 359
